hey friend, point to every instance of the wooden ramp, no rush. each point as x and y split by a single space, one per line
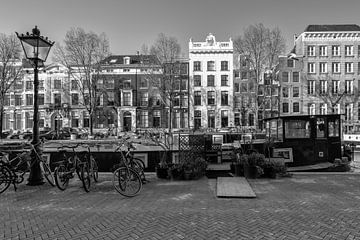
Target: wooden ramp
234 187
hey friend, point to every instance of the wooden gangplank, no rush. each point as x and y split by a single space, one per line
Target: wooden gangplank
234 187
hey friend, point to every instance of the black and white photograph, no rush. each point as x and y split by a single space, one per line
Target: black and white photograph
171 120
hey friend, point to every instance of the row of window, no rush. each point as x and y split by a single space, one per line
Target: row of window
336 50
211 119
322 87
211 98
295 76
210 66
335 67
58 84
211 80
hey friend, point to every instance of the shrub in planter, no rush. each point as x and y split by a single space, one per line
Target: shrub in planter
273 168
162 172
253 165
238 165
200 166
176 172
162 169
194 168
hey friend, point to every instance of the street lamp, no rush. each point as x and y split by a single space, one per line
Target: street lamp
36 49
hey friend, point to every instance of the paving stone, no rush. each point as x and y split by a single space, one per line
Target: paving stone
306 206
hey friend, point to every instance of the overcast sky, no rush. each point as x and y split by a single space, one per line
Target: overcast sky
131 23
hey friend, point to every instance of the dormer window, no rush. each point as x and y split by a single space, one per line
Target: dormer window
127 60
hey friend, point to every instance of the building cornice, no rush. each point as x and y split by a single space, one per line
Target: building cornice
330 36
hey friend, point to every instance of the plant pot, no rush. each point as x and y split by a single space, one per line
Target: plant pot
269 172
232 168
238 170
187 175
162 173
175 174
250 171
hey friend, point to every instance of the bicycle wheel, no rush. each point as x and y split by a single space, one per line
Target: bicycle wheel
85 177
127 181
5 178
47 173
140 162
61 177
139 166
95 169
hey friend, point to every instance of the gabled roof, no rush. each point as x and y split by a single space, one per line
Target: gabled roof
134 59
332 28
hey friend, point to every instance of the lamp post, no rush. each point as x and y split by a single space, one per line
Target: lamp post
36 49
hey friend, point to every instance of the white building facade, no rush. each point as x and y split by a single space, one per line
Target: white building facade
211 81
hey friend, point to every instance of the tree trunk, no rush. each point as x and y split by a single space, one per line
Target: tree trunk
1 119
91 123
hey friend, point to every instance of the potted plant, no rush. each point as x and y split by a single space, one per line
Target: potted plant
199 168
239 164
253 165
162 168
176 171
272 168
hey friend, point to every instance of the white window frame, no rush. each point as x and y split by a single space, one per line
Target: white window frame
349 67
311 109
323 86
349 50
323 109
311 67
337 108
335 86
336 67
323 67
323 51
349 111
293 92
349 86
311 51
335 51
311 87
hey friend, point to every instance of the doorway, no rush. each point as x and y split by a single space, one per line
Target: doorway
127 121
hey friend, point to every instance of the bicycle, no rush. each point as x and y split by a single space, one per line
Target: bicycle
90 169
12 170
126 178
68 166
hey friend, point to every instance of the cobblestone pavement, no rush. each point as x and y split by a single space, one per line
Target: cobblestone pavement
306 206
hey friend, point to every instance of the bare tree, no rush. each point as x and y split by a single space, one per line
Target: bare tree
10 69
81 54
261 47
167 50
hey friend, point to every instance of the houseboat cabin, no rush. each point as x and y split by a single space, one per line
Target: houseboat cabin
305 139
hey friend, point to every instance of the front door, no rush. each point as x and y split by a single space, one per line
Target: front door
127 121
57 123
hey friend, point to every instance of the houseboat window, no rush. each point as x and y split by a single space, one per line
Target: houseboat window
274 129
334 127
280 130
297 129
320 128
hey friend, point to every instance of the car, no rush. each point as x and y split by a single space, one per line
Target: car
5 134
55 135
26 135
15 135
